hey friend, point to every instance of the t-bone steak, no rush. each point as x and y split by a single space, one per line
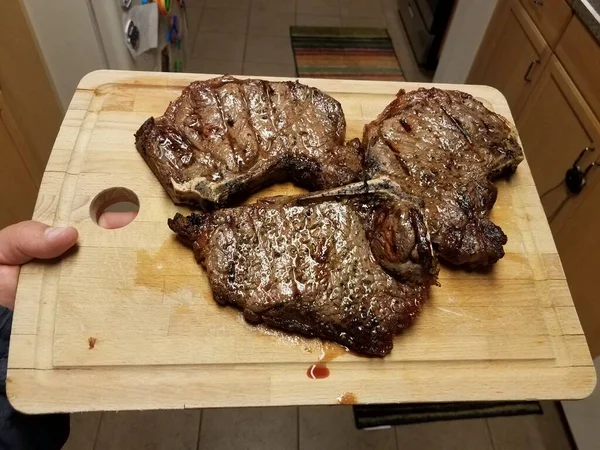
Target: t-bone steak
225 138
352 265
445 147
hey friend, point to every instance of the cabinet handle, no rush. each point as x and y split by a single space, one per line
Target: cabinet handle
529 69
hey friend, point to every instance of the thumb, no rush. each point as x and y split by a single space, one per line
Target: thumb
27 240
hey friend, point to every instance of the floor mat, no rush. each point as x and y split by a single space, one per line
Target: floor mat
370 416
347 53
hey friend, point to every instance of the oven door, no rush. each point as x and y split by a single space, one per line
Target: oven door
427 9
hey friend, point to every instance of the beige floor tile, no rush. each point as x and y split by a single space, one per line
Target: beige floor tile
218 20
84 428
272 70
552 428
363 21
193 16
317 7
364 8
516 433
332 428
249 428
269 49
229 4
545 431
220 46
450 435
214 66
156 430
287 6
268 23
310 20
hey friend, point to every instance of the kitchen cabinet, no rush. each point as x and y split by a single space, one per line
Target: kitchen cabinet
512 54
18 190
30 115
555 125
550 17
556 107
579 53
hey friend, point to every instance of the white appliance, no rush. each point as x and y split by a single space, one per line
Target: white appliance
110 20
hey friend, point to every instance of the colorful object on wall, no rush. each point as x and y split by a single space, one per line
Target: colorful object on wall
173 35
164 7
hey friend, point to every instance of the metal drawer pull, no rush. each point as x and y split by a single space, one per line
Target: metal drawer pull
529 69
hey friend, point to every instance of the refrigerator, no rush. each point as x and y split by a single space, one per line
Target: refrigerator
112 21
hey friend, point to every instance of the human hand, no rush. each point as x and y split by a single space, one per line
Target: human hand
24 241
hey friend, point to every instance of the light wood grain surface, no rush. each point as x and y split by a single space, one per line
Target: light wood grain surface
161 341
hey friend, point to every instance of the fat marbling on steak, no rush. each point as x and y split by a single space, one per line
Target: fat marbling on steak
225 138
446 147
352 265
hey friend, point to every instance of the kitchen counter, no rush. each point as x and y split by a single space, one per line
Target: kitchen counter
589 13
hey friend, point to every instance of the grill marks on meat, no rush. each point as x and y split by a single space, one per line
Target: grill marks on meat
352 265
225 138
353 262
445 147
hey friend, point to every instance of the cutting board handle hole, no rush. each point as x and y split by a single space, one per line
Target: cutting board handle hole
114 207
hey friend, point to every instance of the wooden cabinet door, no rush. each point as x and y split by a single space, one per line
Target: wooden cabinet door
512 54
27 89
579 53
18 191
555 125
550 16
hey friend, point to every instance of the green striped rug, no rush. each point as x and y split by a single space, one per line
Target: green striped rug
350 53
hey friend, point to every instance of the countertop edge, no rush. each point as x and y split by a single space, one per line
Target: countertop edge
588 12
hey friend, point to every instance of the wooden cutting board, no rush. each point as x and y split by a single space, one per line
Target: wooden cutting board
160 341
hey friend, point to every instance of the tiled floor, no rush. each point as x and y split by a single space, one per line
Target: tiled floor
251 37
314 428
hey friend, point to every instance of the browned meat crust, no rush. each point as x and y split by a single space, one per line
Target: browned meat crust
225 138
351 265
445 147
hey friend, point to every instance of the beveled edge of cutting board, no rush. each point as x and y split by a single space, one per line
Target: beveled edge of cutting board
46 390
97 78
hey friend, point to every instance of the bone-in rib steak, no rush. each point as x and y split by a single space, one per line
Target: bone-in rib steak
445 147
225 138
352 265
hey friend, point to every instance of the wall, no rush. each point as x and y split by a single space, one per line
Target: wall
470 20
67 37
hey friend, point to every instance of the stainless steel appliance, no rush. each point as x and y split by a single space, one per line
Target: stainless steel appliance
425 22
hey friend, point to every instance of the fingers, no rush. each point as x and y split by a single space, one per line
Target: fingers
24 241
112 220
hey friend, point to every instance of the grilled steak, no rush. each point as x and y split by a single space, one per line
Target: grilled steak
352 265
445 147
225 138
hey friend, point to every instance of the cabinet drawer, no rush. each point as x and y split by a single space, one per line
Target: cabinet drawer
550 16
579 53
555 125
512 55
